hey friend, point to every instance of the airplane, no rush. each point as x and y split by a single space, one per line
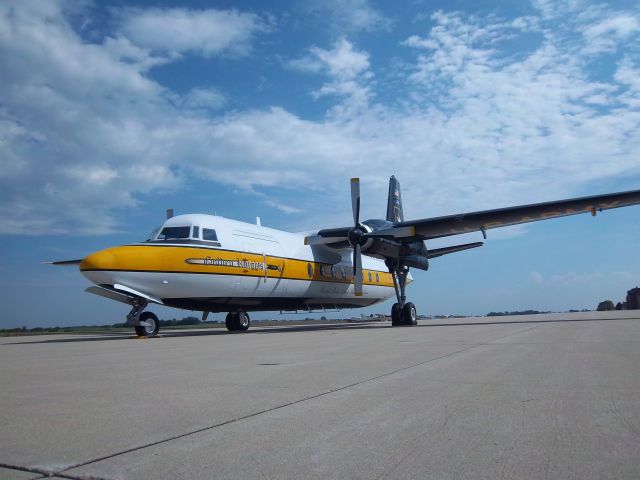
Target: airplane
213 264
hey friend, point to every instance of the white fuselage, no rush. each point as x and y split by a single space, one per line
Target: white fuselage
210 263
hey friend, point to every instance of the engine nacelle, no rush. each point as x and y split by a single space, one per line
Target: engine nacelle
416 261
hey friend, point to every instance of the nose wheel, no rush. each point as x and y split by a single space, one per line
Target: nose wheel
238 321
145 324
148 325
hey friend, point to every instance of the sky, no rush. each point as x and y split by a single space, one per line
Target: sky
111 112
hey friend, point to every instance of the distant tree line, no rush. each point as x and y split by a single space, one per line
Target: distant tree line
185 321
632 302
164 323
173 322
519 312
605 306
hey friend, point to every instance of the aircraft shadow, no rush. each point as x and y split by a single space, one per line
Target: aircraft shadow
258 330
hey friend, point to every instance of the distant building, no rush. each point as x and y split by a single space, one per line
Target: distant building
633 299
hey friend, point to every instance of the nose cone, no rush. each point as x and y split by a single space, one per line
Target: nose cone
101 260
99 267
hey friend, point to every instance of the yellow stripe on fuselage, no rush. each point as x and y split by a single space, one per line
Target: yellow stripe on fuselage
187 259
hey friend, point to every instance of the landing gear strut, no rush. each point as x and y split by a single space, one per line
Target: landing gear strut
238 321
403 312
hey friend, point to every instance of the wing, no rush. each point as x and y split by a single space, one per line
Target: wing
427 228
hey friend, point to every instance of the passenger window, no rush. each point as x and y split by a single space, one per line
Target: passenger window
377 278
369 277
196 233
309 270
209 234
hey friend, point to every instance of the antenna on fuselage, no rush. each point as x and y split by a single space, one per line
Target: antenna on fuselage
258 222
169 213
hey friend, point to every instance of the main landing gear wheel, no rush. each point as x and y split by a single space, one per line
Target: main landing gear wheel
409 314
396 315
150 327
238 321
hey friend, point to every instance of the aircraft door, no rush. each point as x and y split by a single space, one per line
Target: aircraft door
264 269
274 270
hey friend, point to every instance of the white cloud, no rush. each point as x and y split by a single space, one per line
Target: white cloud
179 30
348 16
203 98
530 126
342 61
606 35
75 116
628 75
85 131
620 25
92 175
577 279
348 70
537 277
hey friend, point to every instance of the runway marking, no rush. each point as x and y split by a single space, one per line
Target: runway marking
277 407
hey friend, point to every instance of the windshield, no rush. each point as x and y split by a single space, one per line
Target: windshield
153 234
172 233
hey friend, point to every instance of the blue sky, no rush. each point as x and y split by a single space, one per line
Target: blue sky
111 112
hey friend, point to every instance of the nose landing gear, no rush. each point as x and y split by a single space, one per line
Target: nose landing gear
145 324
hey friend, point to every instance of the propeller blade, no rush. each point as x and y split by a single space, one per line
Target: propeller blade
318 240
355 200
335 232
357 271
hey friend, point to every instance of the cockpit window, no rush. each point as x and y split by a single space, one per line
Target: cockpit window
209 234
172 233
196 233
152 235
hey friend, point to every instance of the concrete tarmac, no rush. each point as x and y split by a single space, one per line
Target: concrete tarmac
545 396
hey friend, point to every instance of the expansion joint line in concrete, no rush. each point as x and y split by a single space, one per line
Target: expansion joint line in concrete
38 471
279 407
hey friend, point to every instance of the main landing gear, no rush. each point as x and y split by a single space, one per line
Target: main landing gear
403 312
238 321
145 324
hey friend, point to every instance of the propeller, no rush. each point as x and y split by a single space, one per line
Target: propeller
356 236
